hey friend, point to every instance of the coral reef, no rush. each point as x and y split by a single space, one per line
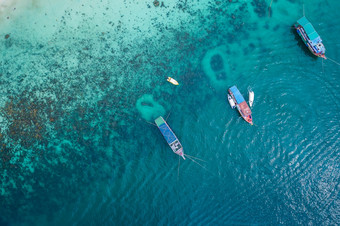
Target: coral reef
75 105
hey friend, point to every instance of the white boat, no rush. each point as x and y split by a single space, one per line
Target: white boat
172 81
251 98
231 102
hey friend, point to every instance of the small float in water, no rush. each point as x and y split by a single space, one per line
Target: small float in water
169 136
241 104
172 81
251 98
231 102
310 37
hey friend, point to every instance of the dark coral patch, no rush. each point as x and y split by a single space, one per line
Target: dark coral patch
156 3
260 7
216 62
221 75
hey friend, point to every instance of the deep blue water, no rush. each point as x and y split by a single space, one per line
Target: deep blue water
81 81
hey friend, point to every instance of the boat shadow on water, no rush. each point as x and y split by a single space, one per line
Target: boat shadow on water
301 44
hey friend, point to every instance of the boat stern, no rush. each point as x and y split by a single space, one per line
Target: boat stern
322 55
320 48
180 153
249 119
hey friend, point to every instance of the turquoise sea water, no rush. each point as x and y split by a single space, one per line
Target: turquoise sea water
80 80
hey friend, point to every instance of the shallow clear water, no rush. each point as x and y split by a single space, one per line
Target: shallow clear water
80 80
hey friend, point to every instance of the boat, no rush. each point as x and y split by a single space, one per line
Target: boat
169 136
172 81
251 98
310 37
241 104
231 102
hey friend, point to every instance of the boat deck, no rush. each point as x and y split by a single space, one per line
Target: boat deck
165 130
245 109
169 136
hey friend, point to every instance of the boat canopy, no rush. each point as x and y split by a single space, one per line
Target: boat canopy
165 130
238 96
309 29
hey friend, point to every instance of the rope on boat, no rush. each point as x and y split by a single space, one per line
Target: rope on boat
194 157
333 61
303 9
269 9
179 162
167 116
151 123
198 163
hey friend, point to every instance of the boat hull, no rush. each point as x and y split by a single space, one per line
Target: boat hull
299 31
314 44
241 104
172 81
247 118
169 136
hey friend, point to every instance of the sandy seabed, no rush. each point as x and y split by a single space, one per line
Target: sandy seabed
10 8
6 4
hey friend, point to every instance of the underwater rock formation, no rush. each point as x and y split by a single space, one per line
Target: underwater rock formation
260 7
70 104
216 66
156 3
149 108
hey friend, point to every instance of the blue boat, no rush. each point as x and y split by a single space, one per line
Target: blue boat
169 136
310 37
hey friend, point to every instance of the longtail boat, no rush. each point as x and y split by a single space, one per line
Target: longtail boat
169 136
310 37
241 104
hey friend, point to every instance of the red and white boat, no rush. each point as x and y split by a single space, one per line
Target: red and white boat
241 104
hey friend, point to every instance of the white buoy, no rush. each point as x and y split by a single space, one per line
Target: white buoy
251 98
231 101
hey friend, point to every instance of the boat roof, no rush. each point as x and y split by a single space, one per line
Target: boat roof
309 29
165 130
238 96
